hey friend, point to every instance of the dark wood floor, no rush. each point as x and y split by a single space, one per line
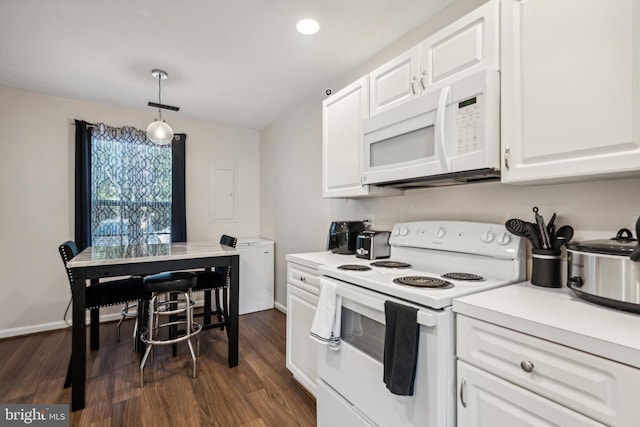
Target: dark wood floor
260 391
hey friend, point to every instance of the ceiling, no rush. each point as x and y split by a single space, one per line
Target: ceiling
236 61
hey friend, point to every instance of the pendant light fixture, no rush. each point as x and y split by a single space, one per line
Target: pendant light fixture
158 130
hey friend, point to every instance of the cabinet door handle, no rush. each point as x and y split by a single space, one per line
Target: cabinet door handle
413 85
424 74
463 388
527 365
506 158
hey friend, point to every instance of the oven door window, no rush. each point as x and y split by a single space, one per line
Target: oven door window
363 333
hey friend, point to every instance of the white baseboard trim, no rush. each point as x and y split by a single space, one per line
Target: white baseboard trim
280 307
51 326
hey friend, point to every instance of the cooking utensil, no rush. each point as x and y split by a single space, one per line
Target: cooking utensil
542 228
563 235
524 229
551 229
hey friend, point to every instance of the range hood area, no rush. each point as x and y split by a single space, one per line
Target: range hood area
445 180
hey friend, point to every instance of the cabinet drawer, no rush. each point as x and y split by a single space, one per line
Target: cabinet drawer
485 400
591 385
304 277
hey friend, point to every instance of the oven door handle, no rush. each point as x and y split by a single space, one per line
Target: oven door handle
423 317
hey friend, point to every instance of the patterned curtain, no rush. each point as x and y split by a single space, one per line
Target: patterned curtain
131 188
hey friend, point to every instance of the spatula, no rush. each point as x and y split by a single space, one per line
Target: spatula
524 229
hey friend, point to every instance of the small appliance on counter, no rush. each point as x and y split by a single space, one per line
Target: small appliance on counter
372 244
607 272
343 236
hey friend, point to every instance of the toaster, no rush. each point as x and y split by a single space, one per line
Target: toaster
372 244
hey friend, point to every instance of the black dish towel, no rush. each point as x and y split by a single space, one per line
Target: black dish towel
400 348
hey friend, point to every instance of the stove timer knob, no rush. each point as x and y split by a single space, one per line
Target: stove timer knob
441 232
487 236
503 239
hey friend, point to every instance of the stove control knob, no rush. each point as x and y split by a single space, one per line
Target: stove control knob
441 232
404 231
487 237
396 231
503 239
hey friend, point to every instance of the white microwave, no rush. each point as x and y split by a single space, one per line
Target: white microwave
445 136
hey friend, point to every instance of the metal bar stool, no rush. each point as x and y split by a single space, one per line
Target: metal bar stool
170 296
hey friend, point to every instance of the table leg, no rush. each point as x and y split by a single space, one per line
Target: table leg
94 326
78 343
232 325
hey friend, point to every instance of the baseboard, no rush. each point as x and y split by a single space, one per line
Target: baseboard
51 326
280 307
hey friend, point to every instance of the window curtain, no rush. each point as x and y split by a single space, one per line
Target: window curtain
125 193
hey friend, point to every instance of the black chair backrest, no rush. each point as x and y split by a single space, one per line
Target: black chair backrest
68 250
229 241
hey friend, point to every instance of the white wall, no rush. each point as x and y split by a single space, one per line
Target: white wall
295 215
37 190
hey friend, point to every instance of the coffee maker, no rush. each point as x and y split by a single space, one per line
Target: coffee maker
343 235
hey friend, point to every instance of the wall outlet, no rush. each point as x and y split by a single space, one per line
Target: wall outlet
368 221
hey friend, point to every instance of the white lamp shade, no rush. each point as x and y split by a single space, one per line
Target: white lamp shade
160 132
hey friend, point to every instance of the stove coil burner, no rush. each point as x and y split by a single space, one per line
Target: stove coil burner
423 282
354 267
462 276
390 264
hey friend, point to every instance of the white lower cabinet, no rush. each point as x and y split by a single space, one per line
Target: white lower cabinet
488 401
303 289
522 380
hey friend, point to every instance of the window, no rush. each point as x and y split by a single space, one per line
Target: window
129 189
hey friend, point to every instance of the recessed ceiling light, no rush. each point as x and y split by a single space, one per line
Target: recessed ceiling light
307 26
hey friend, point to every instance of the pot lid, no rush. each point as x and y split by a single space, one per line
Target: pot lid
623 244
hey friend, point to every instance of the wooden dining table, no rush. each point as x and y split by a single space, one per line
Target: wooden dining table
98 262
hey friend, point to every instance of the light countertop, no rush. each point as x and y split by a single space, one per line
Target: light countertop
557 315
106 255
316 259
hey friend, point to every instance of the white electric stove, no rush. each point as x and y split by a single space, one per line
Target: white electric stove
430 264
445 259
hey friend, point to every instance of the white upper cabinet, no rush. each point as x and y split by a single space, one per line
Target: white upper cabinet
570 90
342 143
468 45
395 82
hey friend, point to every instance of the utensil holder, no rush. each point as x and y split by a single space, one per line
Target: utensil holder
546 268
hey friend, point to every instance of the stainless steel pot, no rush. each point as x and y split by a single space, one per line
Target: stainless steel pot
602 271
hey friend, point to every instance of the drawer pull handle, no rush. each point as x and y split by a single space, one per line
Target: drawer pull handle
302 278
527 365
463 386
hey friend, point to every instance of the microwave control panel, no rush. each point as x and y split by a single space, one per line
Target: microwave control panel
468 125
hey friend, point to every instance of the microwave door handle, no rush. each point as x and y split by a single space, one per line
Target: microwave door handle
440 128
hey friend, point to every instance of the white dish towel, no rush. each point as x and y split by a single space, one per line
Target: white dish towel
325 327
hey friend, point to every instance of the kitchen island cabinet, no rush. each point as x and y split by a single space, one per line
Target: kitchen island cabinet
570 90
540 356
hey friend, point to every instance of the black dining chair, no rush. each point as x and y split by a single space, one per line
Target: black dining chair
215 282
114 292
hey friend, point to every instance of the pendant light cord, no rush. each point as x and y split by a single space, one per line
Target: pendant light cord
160 96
